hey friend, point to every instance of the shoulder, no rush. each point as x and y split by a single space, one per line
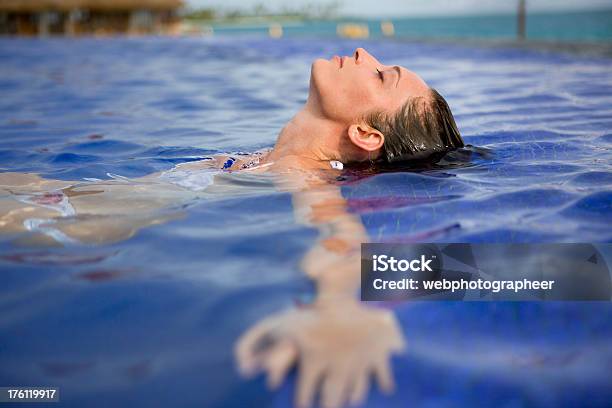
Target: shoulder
295 173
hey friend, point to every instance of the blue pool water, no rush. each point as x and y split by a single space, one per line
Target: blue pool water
151 320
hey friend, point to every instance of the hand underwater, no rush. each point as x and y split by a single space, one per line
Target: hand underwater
336 348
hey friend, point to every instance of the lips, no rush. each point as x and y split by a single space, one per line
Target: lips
338 60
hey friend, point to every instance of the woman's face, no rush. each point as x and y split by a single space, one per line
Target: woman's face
345 89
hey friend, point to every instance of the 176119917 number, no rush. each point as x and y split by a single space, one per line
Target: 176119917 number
28 394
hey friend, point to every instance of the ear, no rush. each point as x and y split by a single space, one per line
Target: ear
366 137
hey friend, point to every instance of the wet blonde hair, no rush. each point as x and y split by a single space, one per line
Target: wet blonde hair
422 128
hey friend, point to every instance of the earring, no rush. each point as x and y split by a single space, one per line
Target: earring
335 164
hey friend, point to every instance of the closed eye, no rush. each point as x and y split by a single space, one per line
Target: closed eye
380 74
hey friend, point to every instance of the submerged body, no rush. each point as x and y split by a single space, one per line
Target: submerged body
103 211
313 337
358 111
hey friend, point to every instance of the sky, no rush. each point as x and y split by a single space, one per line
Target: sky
407 8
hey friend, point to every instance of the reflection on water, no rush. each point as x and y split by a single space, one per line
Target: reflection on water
151 312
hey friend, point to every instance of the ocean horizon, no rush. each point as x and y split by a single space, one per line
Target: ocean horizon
574 26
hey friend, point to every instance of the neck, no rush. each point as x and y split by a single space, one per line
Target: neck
309 136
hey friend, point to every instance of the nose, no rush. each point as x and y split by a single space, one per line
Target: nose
359 55
362 56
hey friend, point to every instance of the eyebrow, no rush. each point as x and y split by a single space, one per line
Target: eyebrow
399 74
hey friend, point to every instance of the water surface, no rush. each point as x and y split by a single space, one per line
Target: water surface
151 320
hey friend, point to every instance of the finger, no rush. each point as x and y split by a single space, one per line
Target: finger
395 338
397 343
246 349
360 387
278 361
309 377
334 388
384 376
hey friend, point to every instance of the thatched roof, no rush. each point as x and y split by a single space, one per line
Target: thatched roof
108 5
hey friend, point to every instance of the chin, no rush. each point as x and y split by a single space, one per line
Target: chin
318 74
322 87
318 69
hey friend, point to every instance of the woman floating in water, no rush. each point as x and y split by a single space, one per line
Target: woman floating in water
358 111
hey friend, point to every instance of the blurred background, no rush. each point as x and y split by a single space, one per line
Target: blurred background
489 20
